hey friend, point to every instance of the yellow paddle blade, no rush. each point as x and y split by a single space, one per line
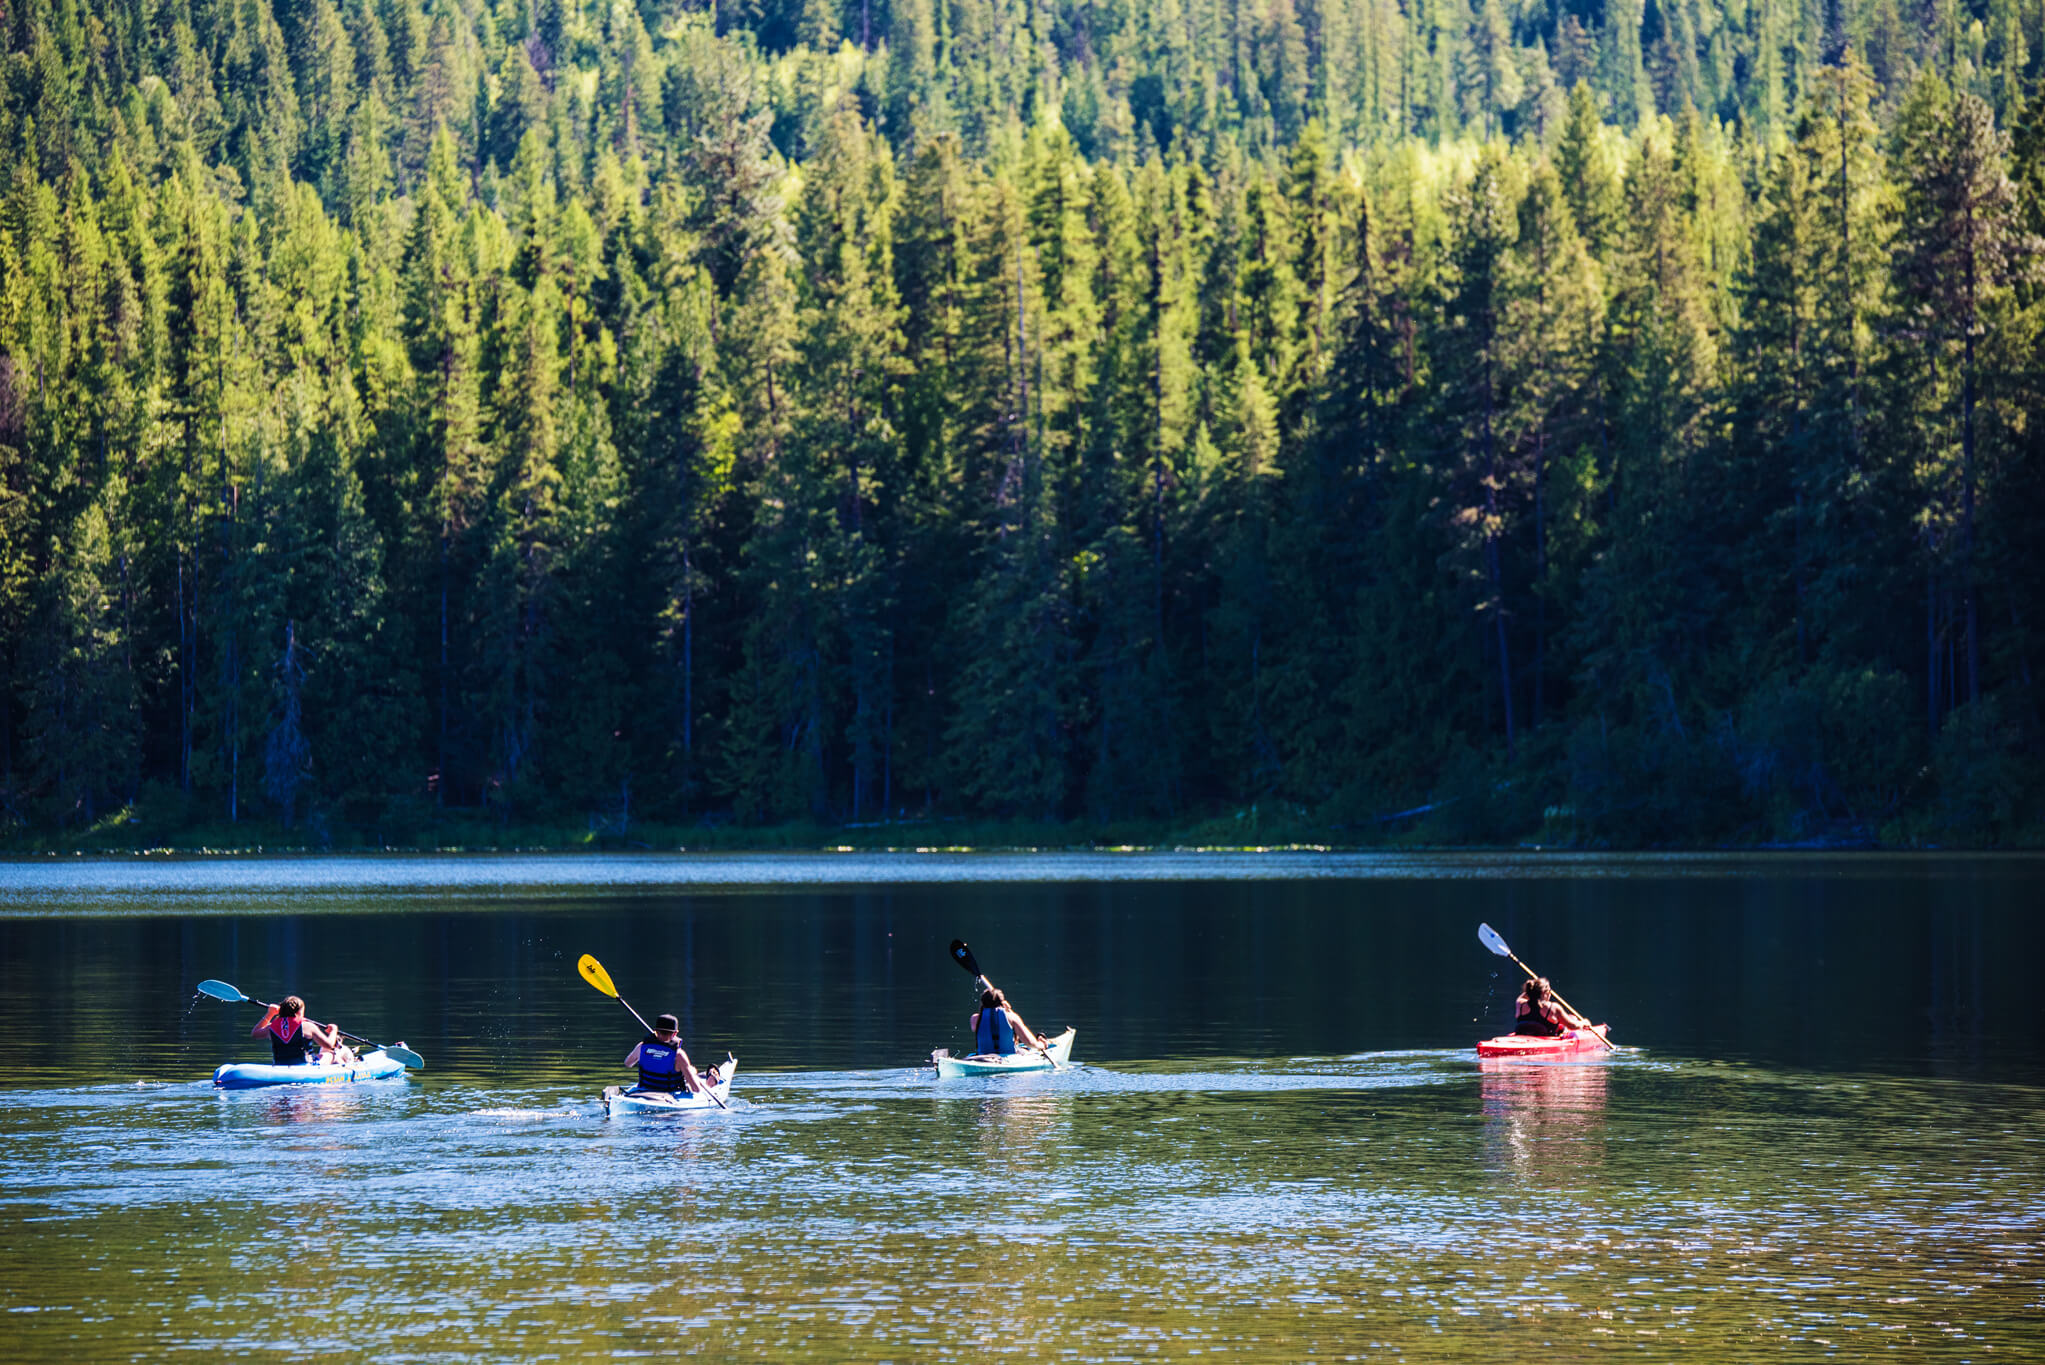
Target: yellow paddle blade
593 972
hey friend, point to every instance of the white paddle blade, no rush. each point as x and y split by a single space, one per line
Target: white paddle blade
220 990
1488 936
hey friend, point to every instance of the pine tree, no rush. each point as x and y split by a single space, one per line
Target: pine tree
442 324
286 754
1008 626
1589 178
1553 323
523 533
1482 474
773 754
1959 249
81 728
1646 597
851 366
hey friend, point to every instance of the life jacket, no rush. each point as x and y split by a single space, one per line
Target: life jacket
994 1036
660 1066
292 1046
1535 1023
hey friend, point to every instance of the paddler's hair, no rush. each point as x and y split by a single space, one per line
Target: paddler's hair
991 997
1536 989
291 1006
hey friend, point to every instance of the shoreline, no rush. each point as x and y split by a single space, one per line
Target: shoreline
923 838
1386 854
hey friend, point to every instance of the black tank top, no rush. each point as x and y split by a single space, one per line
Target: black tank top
298 1052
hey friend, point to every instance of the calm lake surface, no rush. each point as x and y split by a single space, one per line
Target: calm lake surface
1824 1141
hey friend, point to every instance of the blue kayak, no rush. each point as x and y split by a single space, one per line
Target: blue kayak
371 1066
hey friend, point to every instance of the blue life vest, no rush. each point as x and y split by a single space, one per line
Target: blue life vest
994 1036
660 1066
300 1051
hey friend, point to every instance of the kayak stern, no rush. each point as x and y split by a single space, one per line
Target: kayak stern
1532 1046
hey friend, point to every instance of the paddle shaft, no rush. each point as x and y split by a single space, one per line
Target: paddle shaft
251 1000
1534 975
338 1031
398 1050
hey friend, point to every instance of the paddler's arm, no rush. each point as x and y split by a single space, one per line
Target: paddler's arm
632 1057
1022 1032
695 1082
263 1024
323 1034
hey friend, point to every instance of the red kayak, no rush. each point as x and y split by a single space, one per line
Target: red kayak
1528 1045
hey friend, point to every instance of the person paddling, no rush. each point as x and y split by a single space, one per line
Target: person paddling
298 1041
664 1068
1538 1014
997 1028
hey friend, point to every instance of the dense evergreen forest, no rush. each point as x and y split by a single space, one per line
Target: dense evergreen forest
1607 420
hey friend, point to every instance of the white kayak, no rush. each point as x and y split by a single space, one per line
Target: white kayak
370 1066
618 1100
990 1064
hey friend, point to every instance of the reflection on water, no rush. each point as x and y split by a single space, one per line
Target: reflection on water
1250 1163
1544 1119
1353 1206
1015 1132
308 1104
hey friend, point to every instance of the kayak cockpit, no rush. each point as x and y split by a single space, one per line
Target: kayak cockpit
617 1099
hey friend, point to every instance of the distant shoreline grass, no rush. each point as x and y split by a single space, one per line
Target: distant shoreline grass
124 833
458 835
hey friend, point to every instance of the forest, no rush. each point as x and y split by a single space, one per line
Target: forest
1599 422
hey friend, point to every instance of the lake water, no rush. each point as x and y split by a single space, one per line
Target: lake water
1825 1139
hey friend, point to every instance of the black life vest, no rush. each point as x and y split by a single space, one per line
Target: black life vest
660 1066
994 1037
1536 1024
298 1050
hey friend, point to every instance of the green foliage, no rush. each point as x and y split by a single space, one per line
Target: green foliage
1461 422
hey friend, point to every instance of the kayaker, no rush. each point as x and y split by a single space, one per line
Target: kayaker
663 1066
1538 1014
298 1041
997 1028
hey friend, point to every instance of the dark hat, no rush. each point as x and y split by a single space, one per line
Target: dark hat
668 1023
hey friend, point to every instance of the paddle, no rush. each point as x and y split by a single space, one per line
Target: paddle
593 972
1489 937
963 955
397 1052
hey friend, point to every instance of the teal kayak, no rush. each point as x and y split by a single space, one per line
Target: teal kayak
371 1066
988 1064
617 1100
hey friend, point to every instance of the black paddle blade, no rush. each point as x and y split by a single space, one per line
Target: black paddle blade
963 955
